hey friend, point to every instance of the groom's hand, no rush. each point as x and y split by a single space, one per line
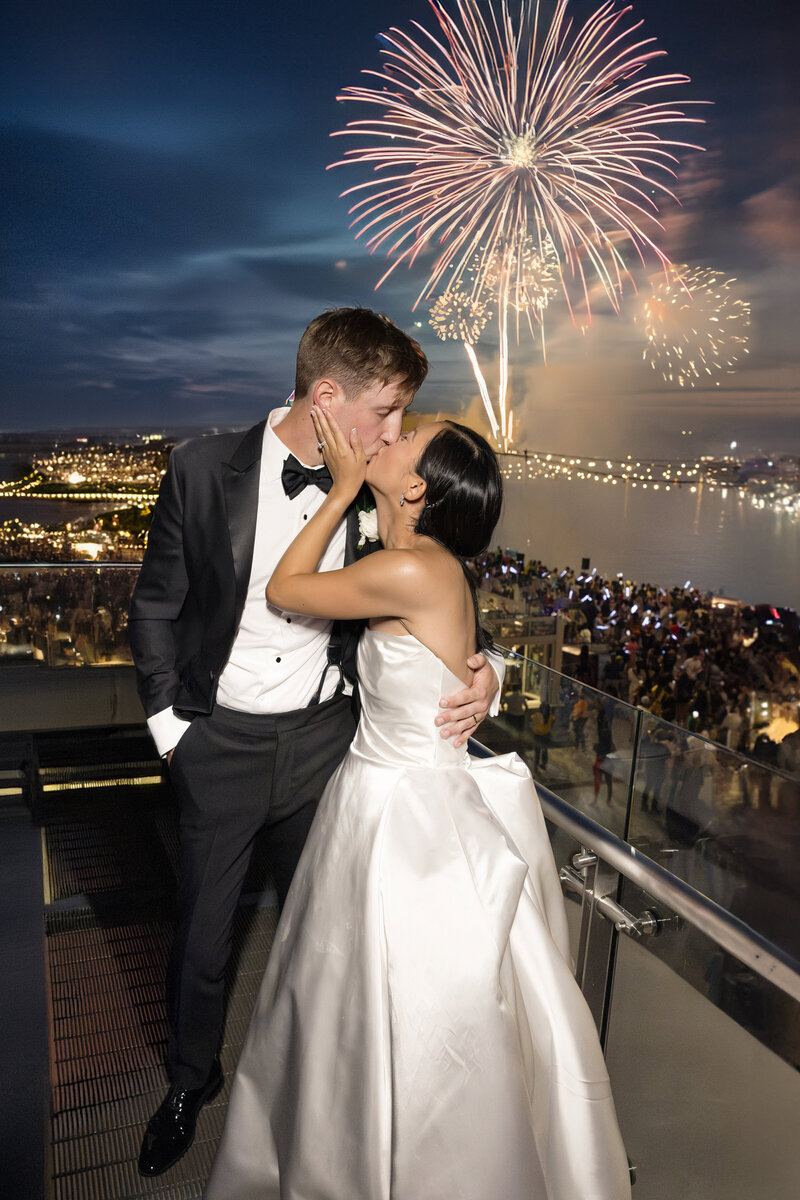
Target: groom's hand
463 712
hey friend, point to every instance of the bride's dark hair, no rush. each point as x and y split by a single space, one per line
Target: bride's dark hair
463 498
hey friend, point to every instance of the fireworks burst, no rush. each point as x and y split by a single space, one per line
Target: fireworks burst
695 324
508 144
459 316
527 274
500 131
522 277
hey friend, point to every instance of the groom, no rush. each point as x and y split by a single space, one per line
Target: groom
253 707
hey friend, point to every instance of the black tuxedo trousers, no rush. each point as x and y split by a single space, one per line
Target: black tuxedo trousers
235 773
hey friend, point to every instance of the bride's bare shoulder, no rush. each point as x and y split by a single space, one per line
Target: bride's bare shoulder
418 568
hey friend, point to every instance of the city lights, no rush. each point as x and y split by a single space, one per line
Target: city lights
774 484
125 478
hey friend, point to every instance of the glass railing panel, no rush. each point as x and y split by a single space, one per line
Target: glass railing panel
65 615
703 1056
725 824
576 740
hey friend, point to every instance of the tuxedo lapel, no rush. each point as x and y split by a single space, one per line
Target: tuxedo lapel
240 480
352 550
352 536
347 633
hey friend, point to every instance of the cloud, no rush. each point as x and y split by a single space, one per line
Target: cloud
70 201
772 220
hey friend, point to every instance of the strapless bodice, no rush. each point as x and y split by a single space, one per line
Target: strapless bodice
400 685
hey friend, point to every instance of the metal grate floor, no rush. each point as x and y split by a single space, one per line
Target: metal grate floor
102 849
107 1020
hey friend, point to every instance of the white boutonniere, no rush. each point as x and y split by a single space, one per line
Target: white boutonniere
367 526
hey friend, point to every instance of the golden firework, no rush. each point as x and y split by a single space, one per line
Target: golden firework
458 316
696 326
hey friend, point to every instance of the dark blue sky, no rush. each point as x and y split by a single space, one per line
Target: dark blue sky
168 226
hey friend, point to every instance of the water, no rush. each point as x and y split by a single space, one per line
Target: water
55 513
719 542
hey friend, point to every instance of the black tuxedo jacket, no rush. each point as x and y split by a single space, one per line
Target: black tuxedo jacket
192 586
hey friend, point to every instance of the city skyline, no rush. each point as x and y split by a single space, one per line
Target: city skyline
171 228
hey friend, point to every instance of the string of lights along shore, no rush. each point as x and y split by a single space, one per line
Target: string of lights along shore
121 481
765 483
522 158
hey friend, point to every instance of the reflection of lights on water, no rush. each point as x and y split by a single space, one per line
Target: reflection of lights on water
656 474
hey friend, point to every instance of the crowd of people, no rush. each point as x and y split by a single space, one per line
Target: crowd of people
691 660
674 651
727 671
66 616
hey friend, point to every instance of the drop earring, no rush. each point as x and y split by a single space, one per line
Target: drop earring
402 499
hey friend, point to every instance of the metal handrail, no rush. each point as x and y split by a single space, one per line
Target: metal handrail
735 936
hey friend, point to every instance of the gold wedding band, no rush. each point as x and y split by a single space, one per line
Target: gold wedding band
475 719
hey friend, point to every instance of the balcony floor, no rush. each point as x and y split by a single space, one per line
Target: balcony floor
108 866
108 1036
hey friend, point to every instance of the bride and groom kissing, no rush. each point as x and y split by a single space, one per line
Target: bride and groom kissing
418 1032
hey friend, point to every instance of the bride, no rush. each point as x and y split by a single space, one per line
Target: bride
418 1034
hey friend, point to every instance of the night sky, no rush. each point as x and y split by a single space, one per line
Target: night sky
168 227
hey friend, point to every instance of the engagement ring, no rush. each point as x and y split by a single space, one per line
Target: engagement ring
321 445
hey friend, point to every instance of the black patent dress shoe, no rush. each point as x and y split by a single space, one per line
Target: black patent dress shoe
170 1131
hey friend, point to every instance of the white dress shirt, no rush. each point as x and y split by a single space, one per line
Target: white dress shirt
277 658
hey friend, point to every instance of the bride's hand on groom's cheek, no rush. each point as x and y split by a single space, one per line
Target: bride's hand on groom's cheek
342 452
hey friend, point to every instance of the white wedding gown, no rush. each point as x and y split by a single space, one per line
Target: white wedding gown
419 1034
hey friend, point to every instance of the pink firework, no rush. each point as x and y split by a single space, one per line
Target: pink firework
493 131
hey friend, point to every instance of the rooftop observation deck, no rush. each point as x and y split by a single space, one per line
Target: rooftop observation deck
685 921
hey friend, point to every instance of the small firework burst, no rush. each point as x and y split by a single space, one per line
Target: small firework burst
460 317
696 327
525 272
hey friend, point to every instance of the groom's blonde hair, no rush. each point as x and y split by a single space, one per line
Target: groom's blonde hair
357 347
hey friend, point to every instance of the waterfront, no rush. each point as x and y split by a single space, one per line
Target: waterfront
714 537
719 541
53 513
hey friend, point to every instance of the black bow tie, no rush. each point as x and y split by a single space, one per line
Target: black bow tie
295 477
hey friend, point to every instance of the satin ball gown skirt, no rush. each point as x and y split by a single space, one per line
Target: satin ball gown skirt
419 1034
